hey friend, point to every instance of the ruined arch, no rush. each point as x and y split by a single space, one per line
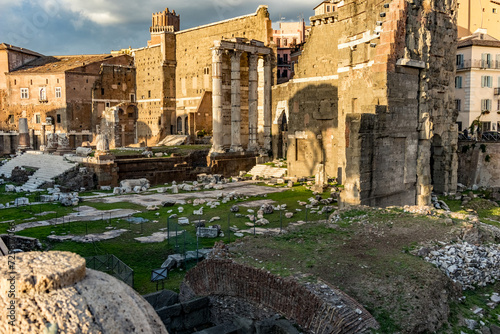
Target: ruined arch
291 299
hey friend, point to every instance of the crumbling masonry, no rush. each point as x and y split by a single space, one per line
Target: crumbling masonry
372 102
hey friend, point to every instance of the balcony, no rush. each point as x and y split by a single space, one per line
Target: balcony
478 63
496 91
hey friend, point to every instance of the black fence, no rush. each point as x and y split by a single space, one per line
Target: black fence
113 266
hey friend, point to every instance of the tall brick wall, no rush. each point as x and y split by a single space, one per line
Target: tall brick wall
286 296
372 88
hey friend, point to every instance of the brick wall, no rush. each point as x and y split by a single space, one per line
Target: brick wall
285 296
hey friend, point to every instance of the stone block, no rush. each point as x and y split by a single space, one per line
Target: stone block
195 304
162 299
207 232
197 318
169 311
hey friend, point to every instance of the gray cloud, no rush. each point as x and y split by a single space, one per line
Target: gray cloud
98 26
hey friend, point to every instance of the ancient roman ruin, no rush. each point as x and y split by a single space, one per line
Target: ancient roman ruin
337 182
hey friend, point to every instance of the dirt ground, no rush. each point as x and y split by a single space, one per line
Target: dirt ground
366 253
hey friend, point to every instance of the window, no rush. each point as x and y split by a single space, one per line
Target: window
486 81
458 82
486 126
42 94
102 91
285 58
460 60
458 104
327 9
485 105
58 118
278 42
15 82
11 119
494 10
149 94
498 105
459 125
486 60
108 104
38 119
132 97
285 74
25 93
285 42
58 92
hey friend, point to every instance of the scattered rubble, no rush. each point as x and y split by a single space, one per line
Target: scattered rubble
468 264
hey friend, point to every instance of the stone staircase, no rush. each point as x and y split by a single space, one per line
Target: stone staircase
267 171
48 167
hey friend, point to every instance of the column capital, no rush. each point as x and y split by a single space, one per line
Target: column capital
236 55
217 54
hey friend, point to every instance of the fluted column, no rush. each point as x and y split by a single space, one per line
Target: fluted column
252 101
236 102
217 129
267 103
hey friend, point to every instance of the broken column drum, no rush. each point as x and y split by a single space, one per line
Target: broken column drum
24 137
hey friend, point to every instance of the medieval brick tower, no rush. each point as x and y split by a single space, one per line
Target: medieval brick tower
156 78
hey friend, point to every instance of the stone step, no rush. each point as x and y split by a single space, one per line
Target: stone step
267 171
49 167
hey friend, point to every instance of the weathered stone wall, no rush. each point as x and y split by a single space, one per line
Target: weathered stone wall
478 167
368 106
194 66
115 86
285 296
155 68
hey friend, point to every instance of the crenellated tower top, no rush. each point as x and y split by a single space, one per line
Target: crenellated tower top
164 21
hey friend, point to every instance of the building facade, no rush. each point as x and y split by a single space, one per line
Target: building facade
55 94
477 83
473 15
288 39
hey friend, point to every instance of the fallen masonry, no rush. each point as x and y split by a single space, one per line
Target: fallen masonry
468 264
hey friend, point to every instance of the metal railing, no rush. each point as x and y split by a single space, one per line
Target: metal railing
112 265
478 63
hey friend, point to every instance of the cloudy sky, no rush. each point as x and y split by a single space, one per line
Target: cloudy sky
62 27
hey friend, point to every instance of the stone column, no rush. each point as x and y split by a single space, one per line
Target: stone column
43 141
267 103
253 96
24 137
236 102
217 130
